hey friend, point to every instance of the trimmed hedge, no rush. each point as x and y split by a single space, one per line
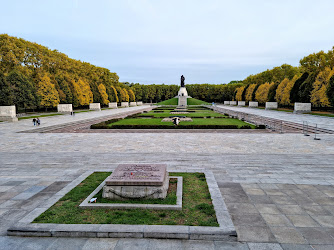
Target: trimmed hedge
171 127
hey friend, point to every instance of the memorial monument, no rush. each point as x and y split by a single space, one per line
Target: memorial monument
137 181
182 95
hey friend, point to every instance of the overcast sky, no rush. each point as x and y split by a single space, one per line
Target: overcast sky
213 41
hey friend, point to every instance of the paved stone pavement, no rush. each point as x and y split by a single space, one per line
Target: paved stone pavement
278 187
321 121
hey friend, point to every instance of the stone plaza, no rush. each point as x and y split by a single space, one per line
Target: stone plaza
278 188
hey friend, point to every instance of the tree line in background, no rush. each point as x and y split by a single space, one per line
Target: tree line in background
311 82
33 76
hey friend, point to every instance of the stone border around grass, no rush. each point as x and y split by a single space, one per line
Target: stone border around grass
178 206
225 232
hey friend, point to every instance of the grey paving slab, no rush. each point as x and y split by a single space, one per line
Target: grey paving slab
289 171
264 246
296 247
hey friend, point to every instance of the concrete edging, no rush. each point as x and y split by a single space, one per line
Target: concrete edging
178 206
226 230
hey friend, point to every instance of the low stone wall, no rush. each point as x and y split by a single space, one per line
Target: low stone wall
241 103
8 113
253 104
302 107
124 104
226 102
133 104
64 108
271 105
139 103
95 106
233 103
112 105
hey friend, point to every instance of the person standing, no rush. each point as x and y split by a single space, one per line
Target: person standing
34 121
38 121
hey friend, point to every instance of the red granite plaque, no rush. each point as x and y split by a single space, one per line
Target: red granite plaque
138 175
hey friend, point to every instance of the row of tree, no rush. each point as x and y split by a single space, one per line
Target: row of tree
312 81
32 75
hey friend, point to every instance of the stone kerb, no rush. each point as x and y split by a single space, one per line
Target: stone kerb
112 105
133 104
94 106
302 107
124 104
271 105
226 102
8 113
253 104
64 108
241 103
233 103
139 103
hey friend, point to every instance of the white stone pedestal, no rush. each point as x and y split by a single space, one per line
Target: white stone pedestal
8 113
133 104
112 105
182 101
139 103
64 108
302 107
233 103
241 103
253 104
95 106
124 104
271 105
226 102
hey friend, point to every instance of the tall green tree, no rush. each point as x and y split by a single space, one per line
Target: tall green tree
6 92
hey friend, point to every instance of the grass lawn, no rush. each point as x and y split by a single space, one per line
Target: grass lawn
197 207
173 101
193 101
322 114
167 113
196 121
35 116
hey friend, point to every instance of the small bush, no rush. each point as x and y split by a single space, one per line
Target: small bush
245 127
261 126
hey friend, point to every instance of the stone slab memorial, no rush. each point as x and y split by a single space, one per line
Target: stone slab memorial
133 104
134 181
271 105
253 104
226 102
8 113
302 108
95 106
112 105
241 103
233 103
124 104
64 108
182 102
139 103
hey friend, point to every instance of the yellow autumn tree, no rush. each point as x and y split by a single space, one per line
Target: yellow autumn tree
262 91
284 89
249 93
239 91
82 93
318 94
113 95
103 93
125 95
47 92
280 91
132 96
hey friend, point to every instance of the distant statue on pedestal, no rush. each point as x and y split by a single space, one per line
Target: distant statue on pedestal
182 81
